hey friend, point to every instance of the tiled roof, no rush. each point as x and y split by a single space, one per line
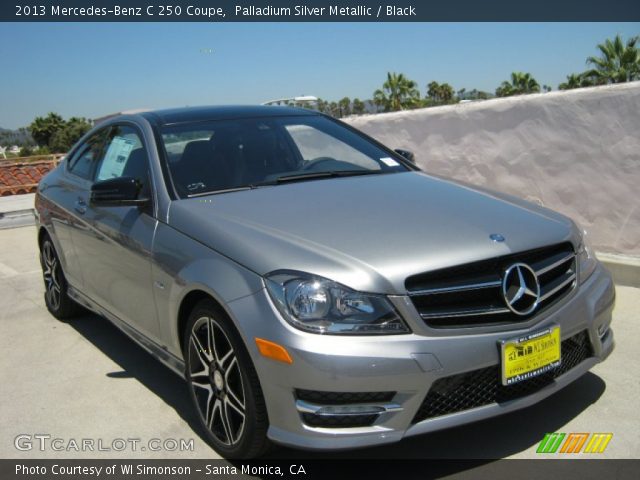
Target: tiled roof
18 178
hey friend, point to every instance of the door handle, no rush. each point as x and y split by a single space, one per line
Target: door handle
81 206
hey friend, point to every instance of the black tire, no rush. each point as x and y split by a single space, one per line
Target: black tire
56 298
224 385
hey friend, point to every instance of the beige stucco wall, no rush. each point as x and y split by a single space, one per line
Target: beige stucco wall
577 152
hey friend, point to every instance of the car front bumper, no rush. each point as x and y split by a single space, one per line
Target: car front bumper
406 364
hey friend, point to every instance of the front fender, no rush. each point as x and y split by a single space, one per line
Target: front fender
181 266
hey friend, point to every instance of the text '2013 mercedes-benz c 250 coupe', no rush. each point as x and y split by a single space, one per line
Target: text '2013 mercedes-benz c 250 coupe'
315 288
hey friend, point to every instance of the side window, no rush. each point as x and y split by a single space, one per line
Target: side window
124 156
86 157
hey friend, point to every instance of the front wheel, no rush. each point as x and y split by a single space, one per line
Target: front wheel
224 385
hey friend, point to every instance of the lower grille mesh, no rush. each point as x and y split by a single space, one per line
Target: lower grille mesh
338 421
484 387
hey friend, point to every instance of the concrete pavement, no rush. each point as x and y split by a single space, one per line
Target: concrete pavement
85 380
15 203
16 210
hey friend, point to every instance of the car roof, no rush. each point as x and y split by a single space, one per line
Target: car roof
201 114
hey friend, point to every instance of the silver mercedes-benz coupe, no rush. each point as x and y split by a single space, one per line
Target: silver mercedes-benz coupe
315 288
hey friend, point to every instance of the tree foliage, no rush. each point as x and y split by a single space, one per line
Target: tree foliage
577 80
26 151
440 94
397 93
344 107
520 83
43 128
358 107
57 134
618 62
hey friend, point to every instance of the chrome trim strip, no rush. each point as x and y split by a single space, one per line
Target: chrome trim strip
457 288
558 287
465 313
374 409
548 268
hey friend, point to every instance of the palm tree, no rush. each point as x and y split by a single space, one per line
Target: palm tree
520 83
358 106
433 89
397 93
573 81
439 94
322 105
344 106
334 110
446 93
618 62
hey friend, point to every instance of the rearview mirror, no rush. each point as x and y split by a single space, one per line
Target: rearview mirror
406 154
117 192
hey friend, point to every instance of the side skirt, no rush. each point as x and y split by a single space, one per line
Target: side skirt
175 364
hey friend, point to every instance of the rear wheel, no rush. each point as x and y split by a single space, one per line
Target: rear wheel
55 284
224 385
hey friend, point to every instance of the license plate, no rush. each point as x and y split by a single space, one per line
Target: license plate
530 355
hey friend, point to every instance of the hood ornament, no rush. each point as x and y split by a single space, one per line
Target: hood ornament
496 237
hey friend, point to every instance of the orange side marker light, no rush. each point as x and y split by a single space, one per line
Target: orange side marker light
273 351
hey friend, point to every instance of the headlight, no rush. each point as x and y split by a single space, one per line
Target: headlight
318 305
586 258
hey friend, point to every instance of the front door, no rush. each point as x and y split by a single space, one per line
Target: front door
115 248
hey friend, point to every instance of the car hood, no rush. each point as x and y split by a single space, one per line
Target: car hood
366 232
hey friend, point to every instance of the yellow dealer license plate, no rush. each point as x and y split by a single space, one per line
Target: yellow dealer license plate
530 355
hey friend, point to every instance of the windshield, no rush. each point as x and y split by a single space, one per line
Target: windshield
247 153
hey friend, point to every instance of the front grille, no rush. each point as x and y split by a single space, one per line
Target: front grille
343 398
338 421
471 294
484 386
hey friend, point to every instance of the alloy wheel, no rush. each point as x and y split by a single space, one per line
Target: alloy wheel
51 272
216 381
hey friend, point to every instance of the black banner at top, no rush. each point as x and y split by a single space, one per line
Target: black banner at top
317 10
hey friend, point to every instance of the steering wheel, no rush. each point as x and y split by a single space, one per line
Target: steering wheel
312 164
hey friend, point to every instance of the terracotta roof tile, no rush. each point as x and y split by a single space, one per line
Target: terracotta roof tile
20 178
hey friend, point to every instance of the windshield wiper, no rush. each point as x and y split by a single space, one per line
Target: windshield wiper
300 177
296 177
224 190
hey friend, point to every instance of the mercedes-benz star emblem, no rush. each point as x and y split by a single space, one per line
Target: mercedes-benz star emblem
520 289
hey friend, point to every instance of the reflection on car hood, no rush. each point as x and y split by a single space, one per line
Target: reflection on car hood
368 233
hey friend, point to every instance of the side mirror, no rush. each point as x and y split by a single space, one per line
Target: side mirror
406 154
117 192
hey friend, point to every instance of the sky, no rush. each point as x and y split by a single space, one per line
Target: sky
93 69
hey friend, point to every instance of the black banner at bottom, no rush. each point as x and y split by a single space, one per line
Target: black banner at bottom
543 469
